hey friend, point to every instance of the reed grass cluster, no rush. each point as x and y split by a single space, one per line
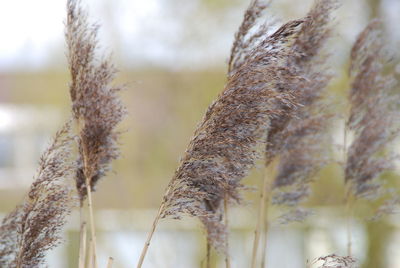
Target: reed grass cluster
298 138
227 142
96 107
275 108
33 228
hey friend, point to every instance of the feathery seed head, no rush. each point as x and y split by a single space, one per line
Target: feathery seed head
300 137
33 227
374 114
230 138
96 106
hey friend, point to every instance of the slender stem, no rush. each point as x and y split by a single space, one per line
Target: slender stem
91 252
208 257
348 193
344 145
227 256
150 235
262 213
91 217
264 241
110 262
348 225
88 175
266 228
82 240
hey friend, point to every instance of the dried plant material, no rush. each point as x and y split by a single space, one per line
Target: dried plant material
82 245
389 207
295 215
309 59
314 34
33 228
304 153
96 105
299 136
374 114
335 261
227 143
302 139
248 36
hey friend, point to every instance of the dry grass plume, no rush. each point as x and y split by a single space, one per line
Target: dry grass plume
33 228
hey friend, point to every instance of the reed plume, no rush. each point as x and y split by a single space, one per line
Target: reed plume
301 138
249 34
227 142
247 39
373 116
373 119
33 228
96 106
309 58
296 134
304 153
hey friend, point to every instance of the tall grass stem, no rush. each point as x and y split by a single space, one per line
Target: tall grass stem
150 235
262 216
348 194
92 222
110 262
82 240
227 255
264 239
90 256
208 256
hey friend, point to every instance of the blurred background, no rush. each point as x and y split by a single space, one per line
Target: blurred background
172 55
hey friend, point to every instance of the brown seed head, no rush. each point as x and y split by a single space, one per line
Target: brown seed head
96 106
227 143
33 228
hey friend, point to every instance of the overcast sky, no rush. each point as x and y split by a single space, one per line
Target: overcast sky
163 33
